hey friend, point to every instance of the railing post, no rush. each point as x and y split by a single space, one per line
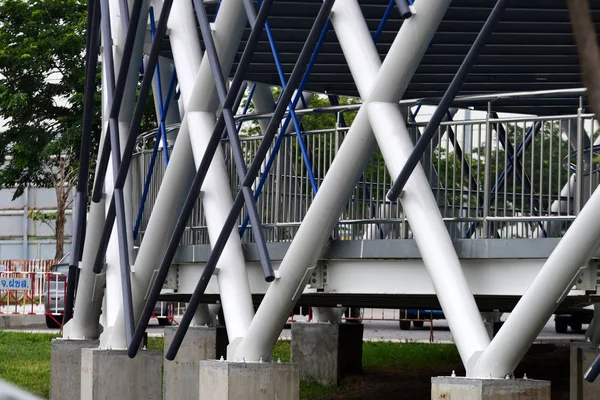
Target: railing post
488 169
579 166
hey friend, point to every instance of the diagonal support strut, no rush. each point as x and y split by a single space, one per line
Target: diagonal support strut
284 99
194 191
234 140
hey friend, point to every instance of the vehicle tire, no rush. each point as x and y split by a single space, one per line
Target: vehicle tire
354 313
404 325
418 324
575 326
52 322
561 326
165 321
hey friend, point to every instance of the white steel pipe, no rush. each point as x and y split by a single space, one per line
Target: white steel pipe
180 173
88 307
537 305
217 200
313 234
176 181
200 103
85 323
185 44
394 141
265 103
113 335
558 207
429 230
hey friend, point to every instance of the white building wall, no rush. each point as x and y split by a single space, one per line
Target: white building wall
22 238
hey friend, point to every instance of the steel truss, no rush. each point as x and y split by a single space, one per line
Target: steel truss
197 170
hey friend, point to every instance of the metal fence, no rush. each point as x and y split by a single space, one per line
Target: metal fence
496 177
26 265
32 293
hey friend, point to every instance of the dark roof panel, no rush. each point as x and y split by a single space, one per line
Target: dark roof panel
530 49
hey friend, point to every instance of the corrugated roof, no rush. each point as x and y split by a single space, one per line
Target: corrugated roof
530 49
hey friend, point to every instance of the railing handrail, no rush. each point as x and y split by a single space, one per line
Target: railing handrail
423 101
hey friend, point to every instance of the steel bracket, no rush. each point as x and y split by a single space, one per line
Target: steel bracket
588 277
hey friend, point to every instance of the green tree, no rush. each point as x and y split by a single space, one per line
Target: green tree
42 73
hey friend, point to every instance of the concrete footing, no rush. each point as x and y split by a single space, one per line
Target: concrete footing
111 374
180 376
451 388
325 352
65 367
582 356
225 380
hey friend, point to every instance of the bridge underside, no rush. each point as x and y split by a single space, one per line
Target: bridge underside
363 204
391 274
530 49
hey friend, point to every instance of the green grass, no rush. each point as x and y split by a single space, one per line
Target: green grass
389 355
376 356
25 361
156 343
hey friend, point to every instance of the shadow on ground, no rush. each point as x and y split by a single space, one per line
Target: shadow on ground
543 361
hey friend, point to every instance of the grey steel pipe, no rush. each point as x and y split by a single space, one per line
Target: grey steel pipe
194 191
264 147
115 97
79 216
134 129
404 8
446 101
234 140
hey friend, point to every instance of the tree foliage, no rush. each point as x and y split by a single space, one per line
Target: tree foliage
42 74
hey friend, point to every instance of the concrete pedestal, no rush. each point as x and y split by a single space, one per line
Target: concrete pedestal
450 388
65 367
225 380
112 375
180 376
325 352
582 356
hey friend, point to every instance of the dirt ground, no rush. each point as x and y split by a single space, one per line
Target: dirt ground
547 362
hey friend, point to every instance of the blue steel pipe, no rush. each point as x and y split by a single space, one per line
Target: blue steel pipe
292 112
384 19
273 154
161 111
247 105
138 219
286 122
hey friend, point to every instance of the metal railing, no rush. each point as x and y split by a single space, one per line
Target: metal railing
493 177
